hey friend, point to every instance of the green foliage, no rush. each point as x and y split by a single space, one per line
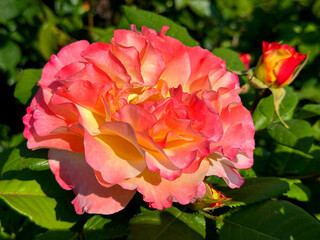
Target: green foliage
11 9
232 59
143 18
102 227
37 162
27 198
167 224
258 189
265 113
26 86
270 220
298 135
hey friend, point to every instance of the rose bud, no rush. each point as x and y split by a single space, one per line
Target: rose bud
278 65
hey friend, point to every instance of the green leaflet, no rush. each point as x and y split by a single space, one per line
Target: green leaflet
168 224
26 87
270 220
297 135
28 198
232 59
151 20
257 189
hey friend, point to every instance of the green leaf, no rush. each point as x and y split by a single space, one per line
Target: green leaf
57 234
93 228
314 108
26 87
51 39
200 7
258 189
10 221
28 198
261 160
247 173
105 227
10 9
179 4
316 130
270 220
216 181
310 90
46 13
298 190
298 135
16 162
151 20
103 34
265 112
308 110
10 54
289 161
168 224
232 58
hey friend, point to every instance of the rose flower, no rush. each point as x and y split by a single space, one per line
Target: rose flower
278 64
245 59
144 113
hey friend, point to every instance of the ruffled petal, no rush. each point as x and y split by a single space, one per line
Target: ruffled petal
160 192
72 172
223 167
68 54
115 152
101 56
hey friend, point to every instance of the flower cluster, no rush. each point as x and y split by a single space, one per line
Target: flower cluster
144 113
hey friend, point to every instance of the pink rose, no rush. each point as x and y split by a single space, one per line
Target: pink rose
144 113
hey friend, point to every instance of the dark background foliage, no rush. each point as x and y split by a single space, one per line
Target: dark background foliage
32 30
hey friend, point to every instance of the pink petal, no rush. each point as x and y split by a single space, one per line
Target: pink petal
72 172
228 80
201 63
129 57
160 192
69 70
44 129
223 167
44 124
238 131
72 52
136 116
68 54
90 120
177 70
152 65
101 56
115 152
67 140
156 159
129 39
